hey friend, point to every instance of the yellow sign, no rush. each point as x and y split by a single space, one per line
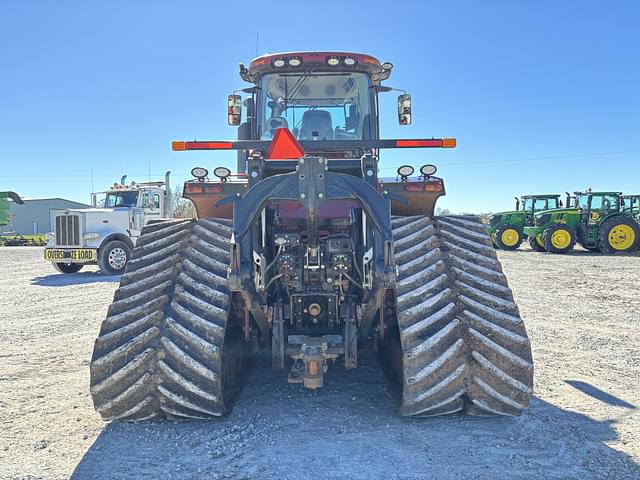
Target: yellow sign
77 255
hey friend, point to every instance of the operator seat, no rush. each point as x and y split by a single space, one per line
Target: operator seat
316 125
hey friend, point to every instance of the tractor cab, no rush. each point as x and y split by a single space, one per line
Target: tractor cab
531 204
631 206
594 206
318 104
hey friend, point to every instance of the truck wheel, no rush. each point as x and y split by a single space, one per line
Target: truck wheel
536 244
508 237
68 267
618 234
113 257
558 239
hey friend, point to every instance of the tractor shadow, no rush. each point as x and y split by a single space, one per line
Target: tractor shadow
350 429
598 394
67 279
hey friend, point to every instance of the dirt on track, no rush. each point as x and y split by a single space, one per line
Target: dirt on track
582 313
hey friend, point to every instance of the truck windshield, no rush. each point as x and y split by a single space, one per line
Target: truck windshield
315 106
121 199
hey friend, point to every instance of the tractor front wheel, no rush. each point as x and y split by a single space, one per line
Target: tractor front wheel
618 234
536 244
508 237
559 239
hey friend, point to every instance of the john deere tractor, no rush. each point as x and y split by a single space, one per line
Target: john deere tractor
506 229
596 220
4 205
307 253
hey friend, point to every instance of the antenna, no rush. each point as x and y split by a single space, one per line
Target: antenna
257 42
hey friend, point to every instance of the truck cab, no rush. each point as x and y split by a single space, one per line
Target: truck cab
106 235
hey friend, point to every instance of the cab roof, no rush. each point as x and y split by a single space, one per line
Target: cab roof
323 61
543 195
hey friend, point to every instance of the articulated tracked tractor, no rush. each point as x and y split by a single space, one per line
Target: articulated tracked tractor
307 253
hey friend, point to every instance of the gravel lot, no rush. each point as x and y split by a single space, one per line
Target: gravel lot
583 316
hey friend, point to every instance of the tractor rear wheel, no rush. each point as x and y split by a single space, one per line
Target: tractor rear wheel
618 235
171 345
536 244
460 344
559 239
508 237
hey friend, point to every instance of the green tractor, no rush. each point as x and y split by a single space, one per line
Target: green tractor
4 205
598 221
507 228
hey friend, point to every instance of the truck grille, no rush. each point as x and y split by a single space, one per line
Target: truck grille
68 230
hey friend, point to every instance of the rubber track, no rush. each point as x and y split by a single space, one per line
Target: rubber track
464 345
158 353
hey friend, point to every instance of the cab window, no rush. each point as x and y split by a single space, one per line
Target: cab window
528 204
604 202
156 200
540 204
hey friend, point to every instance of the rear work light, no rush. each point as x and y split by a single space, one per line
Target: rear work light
279 63
295 62
194 189
423 187
333 61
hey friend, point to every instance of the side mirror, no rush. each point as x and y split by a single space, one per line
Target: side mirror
404 109
234 110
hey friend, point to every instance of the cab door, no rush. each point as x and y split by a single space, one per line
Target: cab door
150 202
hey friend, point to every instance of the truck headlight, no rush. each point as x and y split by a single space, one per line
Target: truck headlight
91 236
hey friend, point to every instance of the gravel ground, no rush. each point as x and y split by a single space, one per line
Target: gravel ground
583 316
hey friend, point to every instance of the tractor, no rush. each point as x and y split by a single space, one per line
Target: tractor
598 221
307 254
506 229
4 205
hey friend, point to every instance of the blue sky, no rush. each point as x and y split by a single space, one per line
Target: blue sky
542 96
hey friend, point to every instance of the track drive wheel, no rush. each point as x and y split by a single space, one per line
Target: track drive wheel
559 238
618 235
508 237
463 344
170 345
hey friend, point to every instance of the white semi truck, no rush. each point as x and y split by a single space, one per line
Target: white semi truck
106 236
